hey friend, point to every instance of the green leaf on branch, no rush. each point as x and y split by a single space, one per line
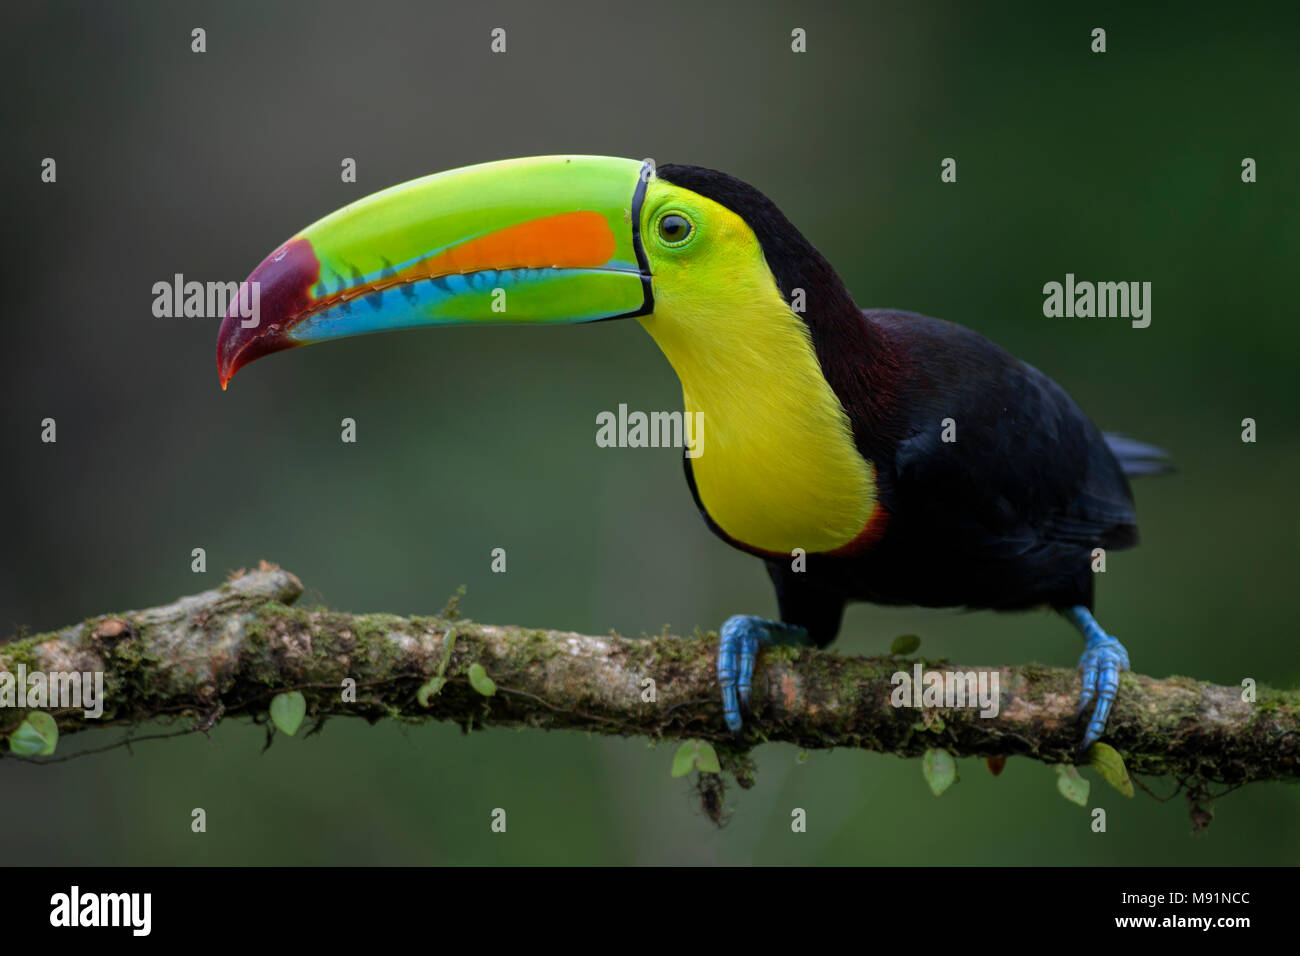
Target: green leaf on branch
288 710
448 642
436 683
479 680
939 770
1106 760
698 755
1072 786
707 761
905 644
429 690
36 736
684 759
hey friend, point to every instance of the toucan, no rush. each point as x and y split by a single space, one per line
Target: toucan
863 455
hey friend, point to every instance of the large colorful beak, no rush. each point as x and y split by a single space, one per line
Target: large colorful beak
545 240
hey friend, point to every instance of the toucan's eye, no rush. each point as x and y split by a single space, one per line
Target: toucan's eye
673 229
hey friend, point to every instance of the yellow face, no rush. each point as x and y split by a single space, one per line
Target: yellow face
779 469
705 258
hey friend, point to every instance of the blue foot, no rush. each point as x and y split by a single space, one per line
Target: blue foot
1103 658
738 643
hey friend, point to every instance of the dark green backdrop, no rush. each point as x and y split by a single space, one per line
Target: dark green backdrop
1117 166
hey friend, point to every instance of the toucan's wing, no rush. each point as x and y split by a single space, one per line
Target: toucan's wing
996 451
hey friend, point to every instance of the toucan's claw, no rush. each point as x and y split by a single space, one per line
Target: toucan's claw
739 641
1103 658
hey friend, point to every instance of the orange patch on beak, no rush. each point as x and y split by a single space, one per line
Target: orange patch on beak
566 240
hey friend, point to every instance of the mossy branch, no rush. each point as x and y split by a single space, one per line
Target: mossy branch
227 652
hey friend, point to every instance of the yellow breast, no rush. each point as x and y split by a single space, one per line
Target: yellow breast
778 468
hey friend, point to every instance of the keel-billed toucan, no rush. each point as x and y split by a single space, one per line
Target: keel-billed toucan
911 460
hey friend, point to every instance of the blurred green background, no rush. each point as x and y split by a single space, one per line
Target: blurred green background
1122 166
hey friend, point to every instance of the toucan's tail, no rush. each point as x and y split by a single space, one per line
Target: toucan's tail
1137 458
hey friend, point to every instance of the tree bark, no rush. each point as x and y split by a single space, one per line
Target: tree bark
228 652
